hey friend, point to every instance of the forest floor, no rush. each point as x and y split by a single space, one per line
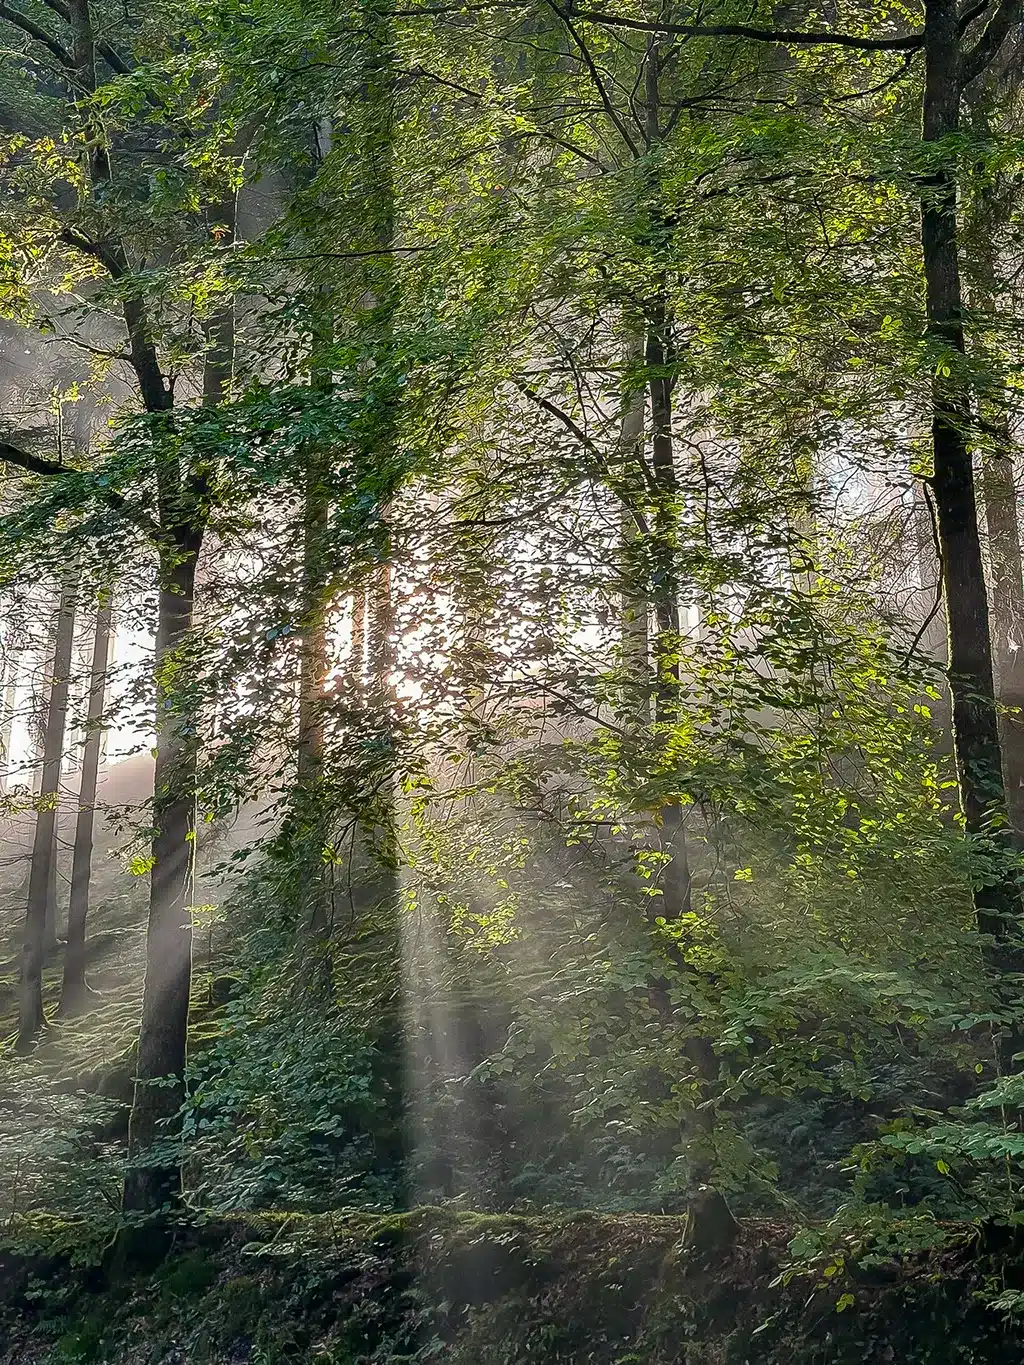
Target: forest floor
361 1289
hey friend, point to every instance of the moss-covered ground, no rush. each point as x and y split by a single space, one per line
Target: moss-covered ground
478 1290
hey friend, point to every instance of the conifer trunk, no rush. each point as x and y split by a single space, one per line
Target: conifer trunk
74 990
31 1018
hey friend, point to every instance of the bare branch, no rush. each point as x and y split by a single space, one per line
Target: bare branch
595 76
40 35
109 54
785 37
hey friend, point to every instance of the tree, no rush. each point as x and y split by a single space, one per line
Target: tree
31 1018
75 991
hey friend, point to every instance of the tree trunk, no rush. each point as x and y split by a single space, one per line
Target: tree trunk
10 697
31 1018
153 1179
675 879
74 990
1004 543
311 824
975 726
930 623
313 645
993 210
635 605
51 939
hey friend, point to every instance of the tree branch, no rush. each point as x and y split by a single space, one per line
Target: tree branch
573 427
785 37
109 54
984 52
40 35
595 77
96 250
36 464
975 12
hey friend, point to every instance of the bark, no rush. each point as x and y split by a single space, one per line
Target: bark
313 645
10 697
975 727
712 1225
675 880
31 1018
993 210
635 603
357 651
934 640
51 940
313 662
312 824
1004 542
153 1179
74 989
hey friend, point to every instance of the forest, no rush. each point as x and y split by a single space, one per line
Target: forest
511 682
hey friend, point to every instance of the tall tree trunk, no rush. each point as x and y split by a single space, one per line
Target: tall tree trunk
313 663
675 877
712 1223
153 1178
993 207
313 643
51 939
312 824
975 725
676 891
1004 546
31 1018
74 990
635 604
9 701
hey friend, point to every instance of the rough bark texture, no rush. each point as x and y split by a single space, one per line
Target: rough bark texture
975 726
74 990
31 1018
